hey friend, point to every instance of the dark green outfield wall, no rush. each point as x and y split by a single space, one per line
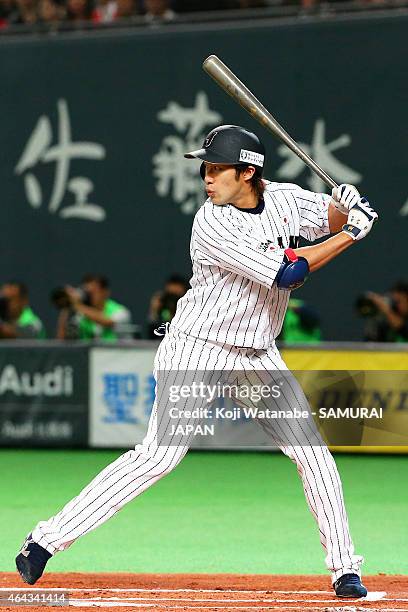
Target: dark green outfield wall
103 120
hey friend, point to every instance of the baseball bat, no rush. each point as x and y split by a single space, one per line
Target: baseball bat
230 83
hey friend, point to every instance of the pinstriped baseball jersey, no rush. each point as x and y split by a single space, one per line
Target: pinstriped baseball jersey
227 321
236 255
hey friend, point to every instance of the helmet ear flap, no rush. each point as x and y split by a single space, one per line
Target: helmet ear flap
202 170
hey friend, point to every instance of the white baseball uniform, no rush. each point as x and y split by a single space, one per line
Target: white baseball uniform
227 321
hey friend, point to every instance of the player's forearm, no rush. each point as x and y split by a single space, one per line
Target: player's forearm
319 255
336 219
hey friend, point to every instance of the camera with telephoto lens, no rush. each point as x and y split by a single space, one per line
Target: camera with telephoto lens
60 298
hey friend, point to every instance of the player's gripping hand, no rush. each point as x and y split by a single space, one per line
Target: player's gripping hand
344 197
360 220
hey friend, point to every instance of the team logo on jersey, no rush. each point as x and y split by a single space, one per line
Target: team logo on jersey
250 157
266 246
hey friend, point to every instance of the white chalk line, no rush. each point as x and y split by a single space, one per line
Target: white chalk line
372 595
112 604
157 605
258 604
223 600
160 590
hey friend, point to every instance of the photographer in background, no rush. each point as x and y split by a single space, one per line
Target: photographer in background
89 313
386 315
17 320
163 303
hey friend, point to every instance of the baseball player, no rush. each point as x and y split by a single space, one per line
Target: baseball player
246 260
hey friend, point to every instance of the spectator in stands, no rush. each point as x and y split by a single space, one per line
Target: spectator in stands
17 320
125 9
50 12
112 10
8 12
158 11
93 314
105 11
163 303
26 13
387 320
301 324
80 10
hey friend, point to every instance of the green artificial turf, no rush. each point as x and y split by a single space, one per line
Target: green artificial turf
217 512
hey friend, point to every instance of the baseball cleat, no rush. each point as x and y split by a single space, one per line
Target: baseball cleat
31 560
349 585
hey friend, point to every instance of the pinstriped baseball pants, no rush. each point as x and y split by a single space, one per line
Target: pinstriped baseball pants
136 470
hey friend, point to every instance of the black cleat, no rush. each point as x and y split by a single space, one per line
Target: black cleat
349 585
31 560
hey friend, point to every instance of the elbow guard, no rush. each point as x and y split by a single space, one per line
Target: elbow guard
293 272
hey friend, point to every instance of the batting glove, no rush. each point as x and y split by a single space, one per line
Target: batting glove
344 197
360 220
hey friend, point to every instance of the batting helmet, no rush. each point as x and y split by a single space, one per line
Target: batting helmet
233 145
